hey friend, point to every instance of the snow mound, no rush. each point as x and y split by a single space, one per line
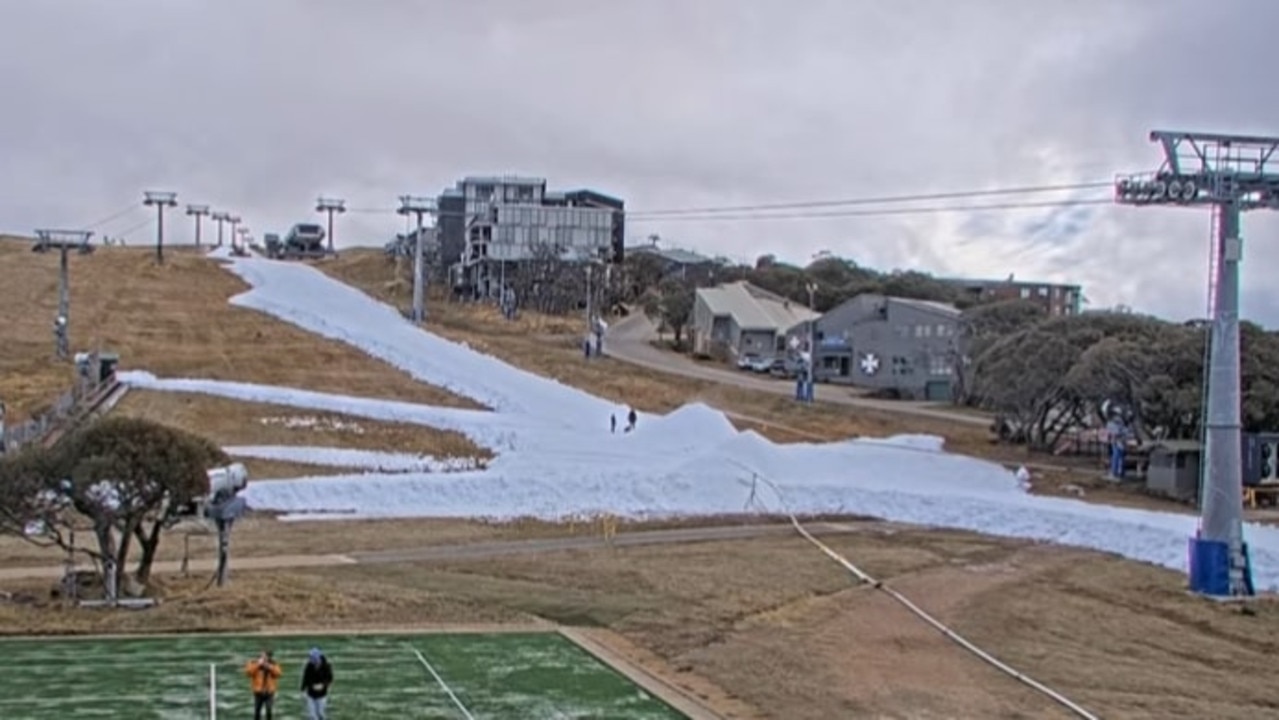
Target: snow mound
696 424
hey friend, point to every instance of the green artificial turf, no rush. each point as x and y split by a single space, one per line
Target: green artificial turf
525 676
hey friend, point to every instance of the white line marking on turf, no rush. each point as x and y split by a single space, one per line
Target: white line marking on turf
443 684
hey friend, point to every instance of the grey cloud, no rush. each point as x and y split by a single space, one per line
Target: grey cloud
261 106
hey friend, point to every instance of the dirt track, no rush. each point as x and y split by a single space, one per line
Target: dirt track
628 341
472 551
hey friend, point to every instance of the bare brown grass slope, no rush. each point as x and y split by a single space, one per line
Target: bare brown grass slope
231 422
173 320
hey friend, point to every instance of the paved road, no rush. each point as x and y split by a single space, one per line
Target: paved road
629 340
475 551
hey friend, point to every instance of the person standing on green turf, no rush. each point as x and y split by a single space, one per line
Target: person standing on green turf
317 676
264 679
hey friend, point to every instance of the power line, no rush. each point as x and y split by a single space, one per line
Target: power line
928 210
113 216
739 212
882 200
134 228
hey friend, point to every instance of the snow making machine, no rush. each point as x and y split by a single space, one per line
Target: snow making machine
303 241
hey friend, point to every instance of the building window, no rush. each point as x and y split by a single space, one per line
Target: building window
939 365
919 331
941 330
1025 293
1043 292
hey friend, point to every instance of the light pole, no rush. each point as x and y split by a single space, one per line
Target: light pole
63 241
160 200
810 365
418 206
1230 174
330 206
243 232
198 212
219 218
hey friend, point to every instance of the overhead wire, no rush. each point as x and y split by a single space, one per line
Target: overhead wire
877 212
880 200
856 207
134 228
866 579
113 216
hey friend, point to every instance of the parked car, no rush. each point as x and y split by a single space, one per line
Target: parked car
761 364
784 368
747 361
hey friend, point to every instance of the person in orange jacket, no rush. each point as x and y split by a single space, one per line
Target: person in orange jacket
264 679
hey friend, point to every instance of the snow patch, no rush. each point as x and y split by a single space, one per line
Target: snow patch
384 462
311 422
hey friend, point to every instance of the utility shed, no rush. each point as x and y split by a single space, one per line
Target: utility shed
1173 469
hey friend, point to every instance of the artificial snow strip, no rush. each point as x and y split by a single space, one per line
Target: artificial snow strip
370 460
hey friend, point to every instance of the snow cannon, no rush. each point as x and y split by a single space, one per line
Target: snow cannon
222 502
227 481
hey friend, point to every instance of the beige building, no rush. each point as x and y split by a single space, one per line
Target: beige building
738 319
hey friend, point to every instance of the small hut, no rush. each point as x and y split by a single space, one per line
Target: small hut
1173 469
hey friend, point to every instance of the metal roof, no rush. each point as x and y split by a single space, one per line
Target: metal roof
754 308
929 305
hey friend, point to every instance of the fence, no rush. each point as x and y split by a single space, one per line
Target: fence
90 382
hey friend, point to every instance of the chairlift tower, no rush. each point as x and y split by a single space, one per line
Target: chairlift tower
220 218
159 200
64 241
1230 174
234 222
198 212
419 207
330 206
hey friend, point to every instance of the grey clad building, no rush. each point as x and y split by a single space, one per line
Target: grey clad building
888 343
487 221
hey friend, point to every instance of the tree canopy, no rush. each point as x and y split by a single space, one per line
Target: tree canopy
125 478
832 280
1046 375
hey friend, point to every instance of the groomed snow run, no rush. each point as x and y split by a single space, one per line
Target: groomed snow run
555 456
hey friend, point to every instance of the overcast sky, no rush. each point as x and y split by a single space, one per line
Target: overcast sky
258 106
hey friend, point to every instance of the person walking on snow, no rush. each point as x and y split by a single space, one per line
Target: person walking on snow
631 417
612 423
317 676
264 680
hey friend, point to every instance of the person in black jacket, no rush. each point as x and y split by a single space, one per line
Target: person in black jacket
317 676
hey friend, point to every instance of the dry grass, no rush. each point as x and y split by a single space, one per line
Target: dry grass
776 624
231 422
263 470
779 627
261 535
172 320
253 601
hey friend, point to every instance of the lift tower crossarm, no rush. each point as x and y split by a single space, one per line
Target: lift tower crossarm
1230 174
